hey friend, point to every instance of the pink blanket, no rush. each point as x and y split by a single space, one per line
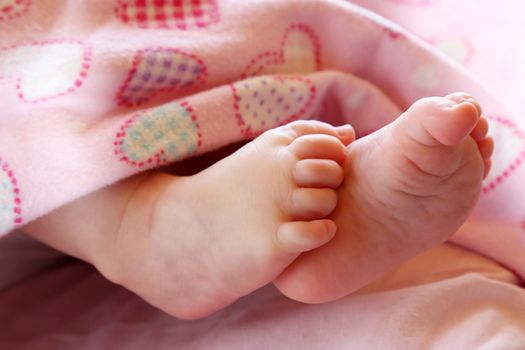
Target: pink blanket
464 302
96 91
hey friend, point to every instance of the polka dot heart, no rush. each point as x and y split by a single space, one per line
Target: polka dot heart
10 9
509 151
164 134
168 14
45 70
266 102
10 203
299 53
159 69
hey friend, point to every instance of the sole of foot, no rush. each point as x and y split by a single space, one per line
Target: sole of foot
408 187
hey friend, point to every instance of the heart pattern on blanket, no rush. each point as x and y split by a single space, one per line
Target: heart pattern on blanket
10 9
45 70
265 102
10 202
509 151
167 14
300 52
160 135
157 70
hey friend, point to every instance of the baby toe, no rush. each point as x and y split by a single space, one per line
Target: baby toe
459 97
299 128
481 130
318 146
311 203
435 121
487 164
318 173
486 148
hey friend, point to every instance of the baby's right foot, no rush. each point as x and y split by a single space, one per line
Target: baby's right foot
408 187
192 245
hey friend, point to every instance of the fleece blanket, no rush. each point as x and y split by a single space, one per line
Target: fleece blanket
447 298
465 301
93 92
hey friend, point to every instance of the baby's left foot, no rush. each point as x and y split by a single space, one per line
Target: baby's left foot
408 187
192 245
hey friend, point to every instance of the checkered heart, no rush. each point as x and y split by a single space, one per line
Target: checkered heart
157 70
160 135
168 14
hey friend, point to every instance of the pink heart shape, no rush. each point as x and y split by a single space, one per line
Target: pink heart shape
10 9
509 151
299 53
158 70
45 70
160 135
10 202
164 14
264 102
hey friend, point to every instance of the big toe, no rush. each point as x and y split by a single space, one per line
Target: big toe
441 120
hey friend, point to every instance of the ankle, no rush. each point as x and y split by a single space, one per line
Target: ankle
121 246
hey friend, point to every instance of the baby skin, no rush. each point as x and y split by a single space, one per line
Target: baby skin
192 245
270 211
208 239
408 187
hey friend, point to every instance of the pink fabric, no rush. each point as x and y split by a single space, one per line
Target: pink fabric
465 302
80 110
134 85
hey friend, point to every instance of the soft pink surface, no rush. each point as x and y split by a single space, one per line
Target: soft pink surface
67 72
465 302
82 111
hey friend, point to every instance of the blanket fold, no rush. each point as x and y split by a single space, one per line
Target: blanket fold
106 93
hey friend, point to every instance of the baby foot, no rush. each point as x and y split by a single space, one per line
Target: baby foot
408 187
218 235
